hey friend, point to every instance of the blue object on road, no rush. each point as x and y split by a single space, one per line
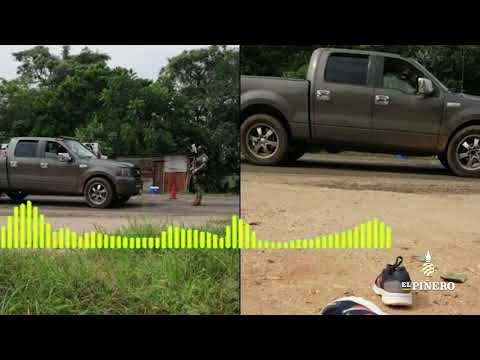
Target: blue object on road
400 157
154 190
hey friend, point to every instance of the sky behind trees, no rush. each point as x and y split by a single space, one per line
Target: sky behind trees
145 60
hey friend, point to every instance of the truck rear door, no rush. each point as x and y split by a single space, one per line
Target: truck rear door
342 98
24 165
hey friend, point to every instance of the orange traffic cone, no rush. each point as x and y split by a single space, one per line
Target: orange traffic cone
173 192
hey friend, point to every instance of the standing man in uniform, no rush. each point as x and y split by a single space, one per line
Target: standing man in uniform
199 169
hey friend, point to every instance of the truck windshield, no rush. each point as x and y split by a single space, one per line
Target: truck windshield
79 150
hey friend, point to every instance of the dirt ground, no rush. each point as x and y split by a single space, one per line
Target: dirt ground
155 209
427 208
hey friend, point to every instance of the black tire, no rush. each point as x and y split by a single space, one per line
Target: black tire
444 161
280 136
454 162
120 200
16 195
333 150
104 190
296 152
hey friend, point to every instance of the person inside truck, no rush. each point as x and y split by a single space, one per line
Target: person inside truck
399 75
53 149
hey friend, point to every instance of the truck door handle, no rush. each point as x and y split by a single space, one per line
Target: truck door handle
323 95
14 164
44 165
382 100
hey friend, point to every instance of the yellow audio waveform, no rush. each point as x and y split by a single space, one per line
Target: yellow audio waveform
27 229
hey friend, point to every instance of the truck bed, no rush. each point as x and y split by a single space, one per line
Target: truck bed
291 97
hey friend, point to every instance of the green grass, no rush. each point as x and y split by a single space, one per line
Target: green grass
121 281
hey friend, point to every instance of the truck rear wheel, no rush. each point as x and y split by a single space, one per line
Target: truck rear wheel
444 161
16 195
264 140
99 193
463 154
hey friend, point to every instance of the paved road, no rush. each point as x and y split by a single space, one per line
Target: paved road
74 212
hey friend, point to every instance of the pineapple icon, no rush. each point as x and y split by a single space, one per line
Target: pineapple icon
428 268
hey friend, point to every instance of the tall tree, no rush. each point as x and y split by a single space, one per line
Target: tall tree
36 64
203 90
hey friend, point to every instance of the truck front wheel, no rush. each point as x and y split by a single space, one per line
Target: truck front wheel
99 193
463 154
120 200
264 140
16 195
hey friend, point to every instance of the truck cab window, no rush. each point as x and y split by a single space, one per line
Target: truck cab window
347 69
26 149
400 75
52 150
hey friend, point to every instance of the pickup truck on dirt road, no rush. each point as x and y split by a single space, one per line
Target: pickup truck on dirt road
363 101
63 166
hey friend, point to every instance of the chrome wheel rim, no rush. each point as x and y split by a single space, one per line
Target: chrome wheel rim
262 140
468 153
98 193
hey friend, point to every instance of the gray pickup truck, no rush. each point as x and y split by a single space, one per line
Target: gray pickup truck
363 101
63 166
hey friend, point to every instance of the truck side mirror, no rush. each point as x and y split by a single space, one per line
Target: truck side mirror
425 86
64 157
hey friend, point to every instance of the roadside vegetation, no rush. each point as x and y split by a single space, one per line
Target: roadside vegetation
121 281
